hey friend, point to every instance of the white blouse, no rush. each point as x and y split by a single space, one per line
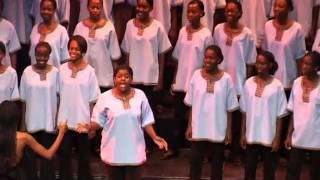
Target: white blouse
286 52
62 13
237 56
262 112
122 140
144 49
9 37
306 117
189 55
41 98
102 49
209 110
76 94
9 85
316 44
58 40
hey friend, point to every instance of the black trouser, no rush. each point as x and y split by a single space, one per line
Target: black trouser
47 169
83 146
269 162
124 172
296 160
198 150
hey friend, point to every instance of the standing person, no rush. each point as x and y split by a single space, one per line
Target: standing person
102 40
14 142
303 133
145 43
39 90
8 79
284 39
123 112
237 44
10 39
79 90
49 30
61 13
189 51
263 104
212 98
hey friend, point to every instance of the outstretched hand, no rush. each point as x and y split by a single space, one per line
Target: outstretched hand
162 144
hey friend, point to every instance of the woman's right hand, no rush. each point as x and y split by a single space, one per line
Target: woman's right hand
188 133
288 143
243 142
63 127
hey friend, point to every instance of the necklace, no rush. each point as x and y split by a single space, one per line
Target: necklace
280 29
211 79
261 84
141 26
125 99
231 33
42 72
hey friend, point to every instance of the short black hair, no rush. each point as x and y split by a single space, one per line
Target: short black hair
270 58
217 50
315 57
123 67
199 4
81 41
54 3
43 44
2 47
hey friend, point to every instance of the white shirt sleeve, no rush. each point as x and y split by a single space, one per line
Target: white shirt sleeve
15 90
232 101
163 39
251 50
146 112
242 100
113 45
189 94
176 50
14 43
99 114
282 103
300 45
23 86
64 45
125 45
94 87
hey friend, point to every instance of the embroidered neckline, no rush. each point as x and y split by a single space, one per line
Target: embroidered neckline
280 29
190 31
94 26
125 100
211 79
42 72
306 90
141 26
232 33
44 32
261 84
75 70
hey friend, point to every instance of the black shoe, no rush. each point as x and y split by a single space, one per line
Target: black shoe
169 154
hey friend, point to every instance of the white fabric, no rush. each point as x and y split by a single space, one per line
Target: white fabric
238 55
209 9
58 40
144 50
122 140
286 52
262 112
106 9
41 99
9 85
17 12
316 44
189 55
9 37
62 13
254 17
209 110
306 117
76 94
102 49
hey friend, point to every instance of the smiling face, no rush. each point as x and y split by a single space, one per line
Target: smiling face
143 9
42 55
95 9
122 80
74 51
210 60
47 10
232 12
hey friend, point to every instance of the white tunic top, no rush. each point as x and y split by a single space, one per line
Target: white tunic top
9 85
9 37
306 117
76 94
241 52
122 140
58 40
209 10
262 112
189 55
316 44
62 13
102 49
286 52
40 98
106 9
254 17
209 110
17 12
144 50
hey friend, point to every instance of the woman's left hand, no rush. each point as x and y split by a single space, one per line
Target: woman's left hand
162 144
